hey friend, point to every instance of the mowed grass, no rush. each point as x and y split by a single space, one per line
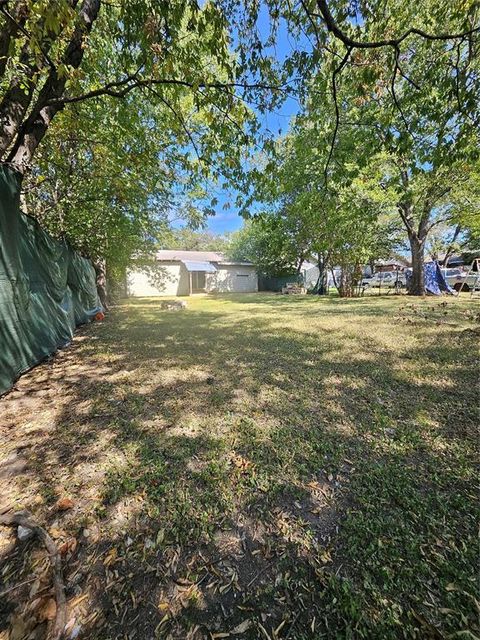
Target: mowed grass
262 466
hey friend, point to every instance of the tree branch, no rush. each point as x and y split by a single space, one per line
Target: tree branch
15 22
180 120
333 27
394 95
129 83
22 29
336 71
22 518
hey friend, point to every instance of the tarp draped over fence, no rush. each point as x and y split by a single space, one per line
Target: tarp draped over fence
46 289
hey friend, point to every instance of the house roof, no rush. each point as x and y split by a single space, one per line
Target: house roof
177 255
464 258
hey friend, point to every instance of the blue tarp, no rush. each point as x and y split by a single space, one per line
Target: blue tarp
435 283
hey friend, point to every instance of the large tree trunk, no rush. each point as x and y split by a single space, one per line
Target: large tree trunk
346 287
18 96
416 237
49 102
14 105
417 248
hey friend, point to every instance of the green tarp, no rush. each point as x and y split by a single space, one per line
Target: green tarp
46 289
276 283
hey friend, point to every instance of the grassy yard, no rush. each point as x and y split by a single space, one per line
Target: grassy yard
255 466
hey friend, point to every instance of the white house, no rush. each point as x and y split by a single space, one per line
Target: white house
181 273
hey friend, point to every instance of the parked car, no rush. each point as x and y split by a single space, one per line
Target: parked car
385 279
457 276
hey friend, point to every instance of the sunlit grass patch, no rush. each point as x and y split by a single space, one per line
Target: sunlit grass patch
303 464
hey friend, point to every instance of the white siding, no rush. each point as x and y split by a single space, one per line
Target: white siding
232 279
162 279
172 279
310 276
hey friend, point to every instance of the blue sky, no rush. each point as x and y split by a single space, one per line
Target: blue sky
229 220
275 121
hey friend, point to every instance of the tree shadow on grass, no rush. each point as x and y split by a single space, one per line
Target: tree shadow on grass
230 470
326 304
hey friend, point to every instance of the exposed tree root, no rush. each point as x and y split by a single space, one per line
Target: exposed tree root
23 518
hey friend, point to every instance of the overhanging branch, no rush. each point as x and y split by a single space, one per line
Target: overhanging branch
336 71
120 88
333 27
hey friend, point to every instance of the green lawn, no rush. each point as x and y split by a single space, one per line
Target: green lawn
260 466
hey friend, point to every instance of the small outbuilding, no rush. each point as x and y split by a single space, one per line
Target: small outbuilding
182 273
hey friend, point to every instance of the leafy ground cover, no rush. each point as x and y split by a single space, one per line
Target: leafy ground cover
255 466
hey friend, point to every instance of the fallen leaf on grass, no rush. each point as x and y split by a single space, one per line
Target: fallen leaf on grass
76 601
242 627
433 631
72 629
64 504
325 557
49 610
279 628
68 546
162 622
111 557
241 463
35 587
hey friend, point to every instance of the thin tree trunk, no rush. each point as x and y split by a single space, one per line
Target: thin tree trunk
101 273
335 284
322 282
300 262
448 253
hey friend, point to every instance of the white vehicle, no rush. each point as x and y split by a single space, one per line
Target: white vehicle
386 280
457 276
